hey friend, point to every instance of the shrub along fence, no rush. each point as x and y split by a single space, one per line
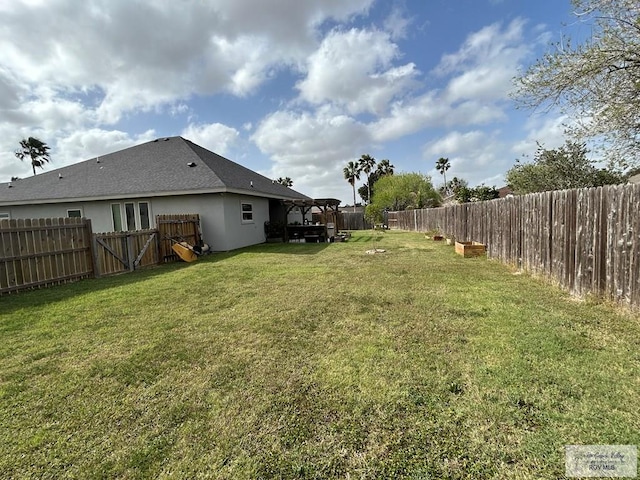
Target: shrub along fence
42 252
586 240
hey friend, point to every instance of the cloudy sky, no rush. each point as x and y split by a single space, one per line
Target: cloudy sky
286 87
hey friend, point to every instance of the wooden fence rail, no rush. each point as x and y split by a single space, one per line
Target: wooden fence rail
586 240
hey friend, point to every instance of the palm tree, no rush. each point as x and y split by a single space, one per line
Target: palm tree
384 168
286 181
367 190
442 165
366 164
35 149
351 174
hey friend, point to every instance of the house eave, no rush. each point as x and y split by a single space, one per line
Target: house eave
124 196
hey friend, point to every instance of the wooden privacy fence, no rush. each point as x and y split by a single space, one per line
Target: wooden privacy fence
586 240
42 252
39 252
177 228
352 221
118 252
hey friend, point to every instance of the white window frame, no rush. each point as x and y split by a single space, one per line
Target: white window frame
243 211
5 216
136 213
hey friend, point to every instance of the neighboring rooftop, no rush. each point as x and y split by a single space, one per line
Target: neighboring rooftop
165 166
505 191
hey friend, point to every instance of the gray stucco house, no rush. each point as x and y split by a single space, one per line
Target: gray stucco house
124 190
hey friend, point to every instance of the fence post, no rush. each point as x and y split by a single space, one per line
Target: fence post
94 248
130 255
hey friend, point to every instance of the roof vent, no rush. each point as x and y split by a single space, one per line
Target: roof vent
98 160
251 184
155 141
10 186
59 175
166 139
191 164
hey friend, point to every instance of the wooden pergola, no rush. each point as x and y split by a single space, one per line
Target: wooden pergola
328 207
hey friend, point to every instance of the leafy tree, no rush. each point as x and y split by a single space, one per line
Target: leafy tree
595 82
464 194
405 191
558 169
452 186
482 193
456 184
442 165
366 165
36 150
373 214
286 181
351 174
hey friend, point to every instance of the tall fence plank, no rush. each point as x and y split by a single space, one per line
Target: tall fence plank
585 240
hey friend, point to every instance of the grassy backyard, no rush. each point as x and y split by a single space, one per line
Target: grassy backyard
313 361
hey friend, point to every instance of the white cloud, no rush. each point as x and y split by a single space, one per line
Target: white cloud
311 149
105 62
354 69
547 131
476 156
179 108
487 44
215 137
397 23
86 144
301 139
10 91
457 142
432 110
137 55
478 79
486 64
482 83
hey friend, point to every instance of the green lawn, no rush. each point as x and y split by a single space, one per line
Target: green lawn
313 361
